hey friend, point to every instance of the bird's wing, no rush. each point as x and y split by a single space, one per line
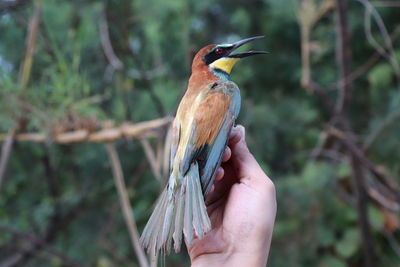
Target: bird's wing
213 121
175 137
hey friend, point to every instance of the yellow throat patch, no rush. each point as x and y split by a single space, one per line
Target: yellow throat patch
225 64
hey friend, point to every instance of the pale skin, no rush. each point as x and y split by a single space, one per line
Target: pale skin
242 208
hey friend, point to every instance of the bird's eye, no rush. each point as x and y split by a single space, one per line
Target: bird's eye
219 51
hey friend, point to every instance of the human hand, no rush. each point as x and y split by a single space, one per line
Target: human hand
242 208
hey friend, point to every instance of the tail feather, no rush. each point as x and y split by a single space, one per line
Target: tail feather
204 219
188 216
180 206
201 223
166 227
149 235
178 211
196 210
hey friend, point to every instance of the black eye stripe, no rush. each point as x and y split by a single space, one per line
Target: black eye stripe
214 55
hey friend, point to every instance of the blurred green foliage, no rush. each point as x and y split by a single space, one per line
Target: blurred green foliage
155 41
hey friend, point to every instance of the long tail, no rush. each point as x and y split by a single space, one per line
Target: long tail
177 211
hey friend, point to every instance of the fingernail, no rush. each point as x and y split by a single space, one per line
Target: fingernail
242 132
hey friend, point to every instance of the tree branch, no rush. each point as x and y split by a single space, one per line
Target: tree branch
355 151
125 204
343 57
125 130
370 139
386 50
26 66
5 154
114 61
362 200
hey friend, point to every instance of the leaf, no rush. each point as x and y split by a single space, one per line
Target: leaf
380 76
317 175
325 236
375 218
349 244
343 171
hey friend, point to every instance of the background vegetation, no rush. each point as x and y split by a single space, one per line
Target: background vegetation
321 110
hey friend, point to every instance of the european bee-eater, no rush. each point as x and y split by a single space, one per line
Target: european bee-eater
200 132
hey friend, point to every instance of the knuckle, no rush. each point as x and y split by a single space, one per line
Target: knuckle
269 186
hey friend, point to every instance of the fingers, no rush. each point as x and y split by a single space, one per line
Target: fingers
222 185
239 166
219 187
244 162
227 154
236 135
220 174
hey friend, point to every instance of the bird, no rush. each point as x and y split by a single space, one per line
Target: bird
200 133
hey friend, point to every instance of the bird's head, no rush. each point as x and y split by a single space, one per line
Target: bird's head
220 58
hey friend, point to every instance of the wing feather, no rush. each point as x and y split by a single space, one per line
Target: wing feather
213 121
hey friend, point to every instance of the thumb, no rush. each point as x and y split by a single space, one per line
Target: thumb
246 167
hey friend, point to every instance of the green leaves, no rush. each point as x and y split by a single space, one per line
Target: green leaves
348 245
380 76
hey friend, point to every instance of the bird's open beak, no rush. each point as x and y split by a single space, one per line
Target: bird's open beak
245 54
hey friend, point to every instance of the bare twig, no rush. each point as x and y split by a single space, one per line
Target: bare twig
142 74
334 155
362 200
343 138
343 57
115 62
126 130
383 200
355 151
329 107
5 154
387 50
370 139
308 15
125 203
107 47
371 61
26 66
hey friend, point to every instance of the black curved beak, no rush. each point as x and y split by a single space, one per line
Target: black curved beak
245 54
